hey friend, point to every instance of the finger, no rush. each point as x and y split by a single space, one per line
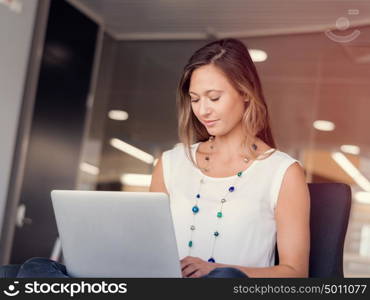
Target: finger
186 258
186 261
196 274
189 270
184 265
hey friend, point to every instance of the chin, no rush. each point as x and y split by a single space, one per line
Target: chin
215 132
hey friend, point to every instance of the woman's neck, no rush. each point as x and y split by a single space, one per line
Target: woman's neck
231 145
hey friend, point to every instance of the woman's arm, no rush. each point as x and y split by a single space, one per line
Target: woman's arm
293 229
157 183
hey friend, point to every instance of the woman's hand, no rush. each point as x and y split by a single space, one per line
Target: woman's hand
194 267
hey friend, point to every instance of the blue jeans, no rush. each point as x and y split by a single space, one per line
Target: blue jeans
42 267
225 273
46 268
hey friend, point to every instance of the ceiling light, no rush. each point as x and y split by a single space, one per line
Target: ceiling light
324 125
363 197
351 170
118 115
351 149
136 179
131 150
90 169
257 55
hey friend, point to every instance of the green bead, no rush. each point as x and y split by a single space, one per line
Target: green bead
216 233
240 174
190 244
219 214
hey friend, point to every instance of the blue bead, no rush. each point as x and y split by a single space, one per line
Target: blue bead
216 233
198 195
231 189
212 260
195 209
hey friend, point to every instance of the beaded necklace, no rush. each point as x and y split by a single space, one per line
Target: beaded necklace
195 209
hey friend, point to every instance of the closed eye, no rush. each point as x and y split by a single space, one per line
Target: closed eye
212 99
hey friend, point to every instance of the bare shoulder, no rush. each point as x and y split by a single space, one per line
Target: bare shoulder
295 174
157 183
293 220
294 184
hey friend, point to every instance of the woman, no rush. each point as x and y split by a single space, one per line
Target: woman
233 196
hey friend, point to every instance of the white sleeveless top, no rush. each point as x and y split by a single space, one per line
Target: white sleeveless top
247 228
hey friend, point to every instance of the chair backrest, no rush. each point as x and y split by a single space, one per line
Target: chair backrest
330 209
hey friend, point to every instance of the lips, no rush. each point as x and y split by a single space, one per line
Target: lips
210 122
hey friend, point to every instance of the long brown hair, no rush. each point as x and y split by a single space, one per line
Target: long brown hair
232 57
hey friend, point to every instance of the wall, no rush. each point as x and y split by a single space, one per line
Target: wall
16 32
56 131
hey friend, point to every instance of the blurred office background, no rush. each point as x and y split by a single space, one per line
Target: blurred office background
87 99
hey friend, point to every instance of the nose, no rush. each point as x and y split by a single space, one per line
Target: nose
204 107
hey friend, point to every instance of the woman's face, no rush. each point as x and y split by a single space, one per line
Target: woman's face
214 99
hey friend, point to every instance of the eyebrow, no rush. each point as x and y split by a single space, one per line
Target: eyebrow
207 91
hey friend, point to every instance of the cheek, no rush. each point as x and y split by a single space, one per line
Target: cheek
233 111
239 106
229 108
194 109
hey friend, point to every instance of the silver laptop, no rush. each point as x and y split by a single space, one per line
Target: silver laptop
116 234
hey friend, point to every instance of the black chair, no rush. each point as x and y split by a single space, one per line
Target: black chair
330 209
